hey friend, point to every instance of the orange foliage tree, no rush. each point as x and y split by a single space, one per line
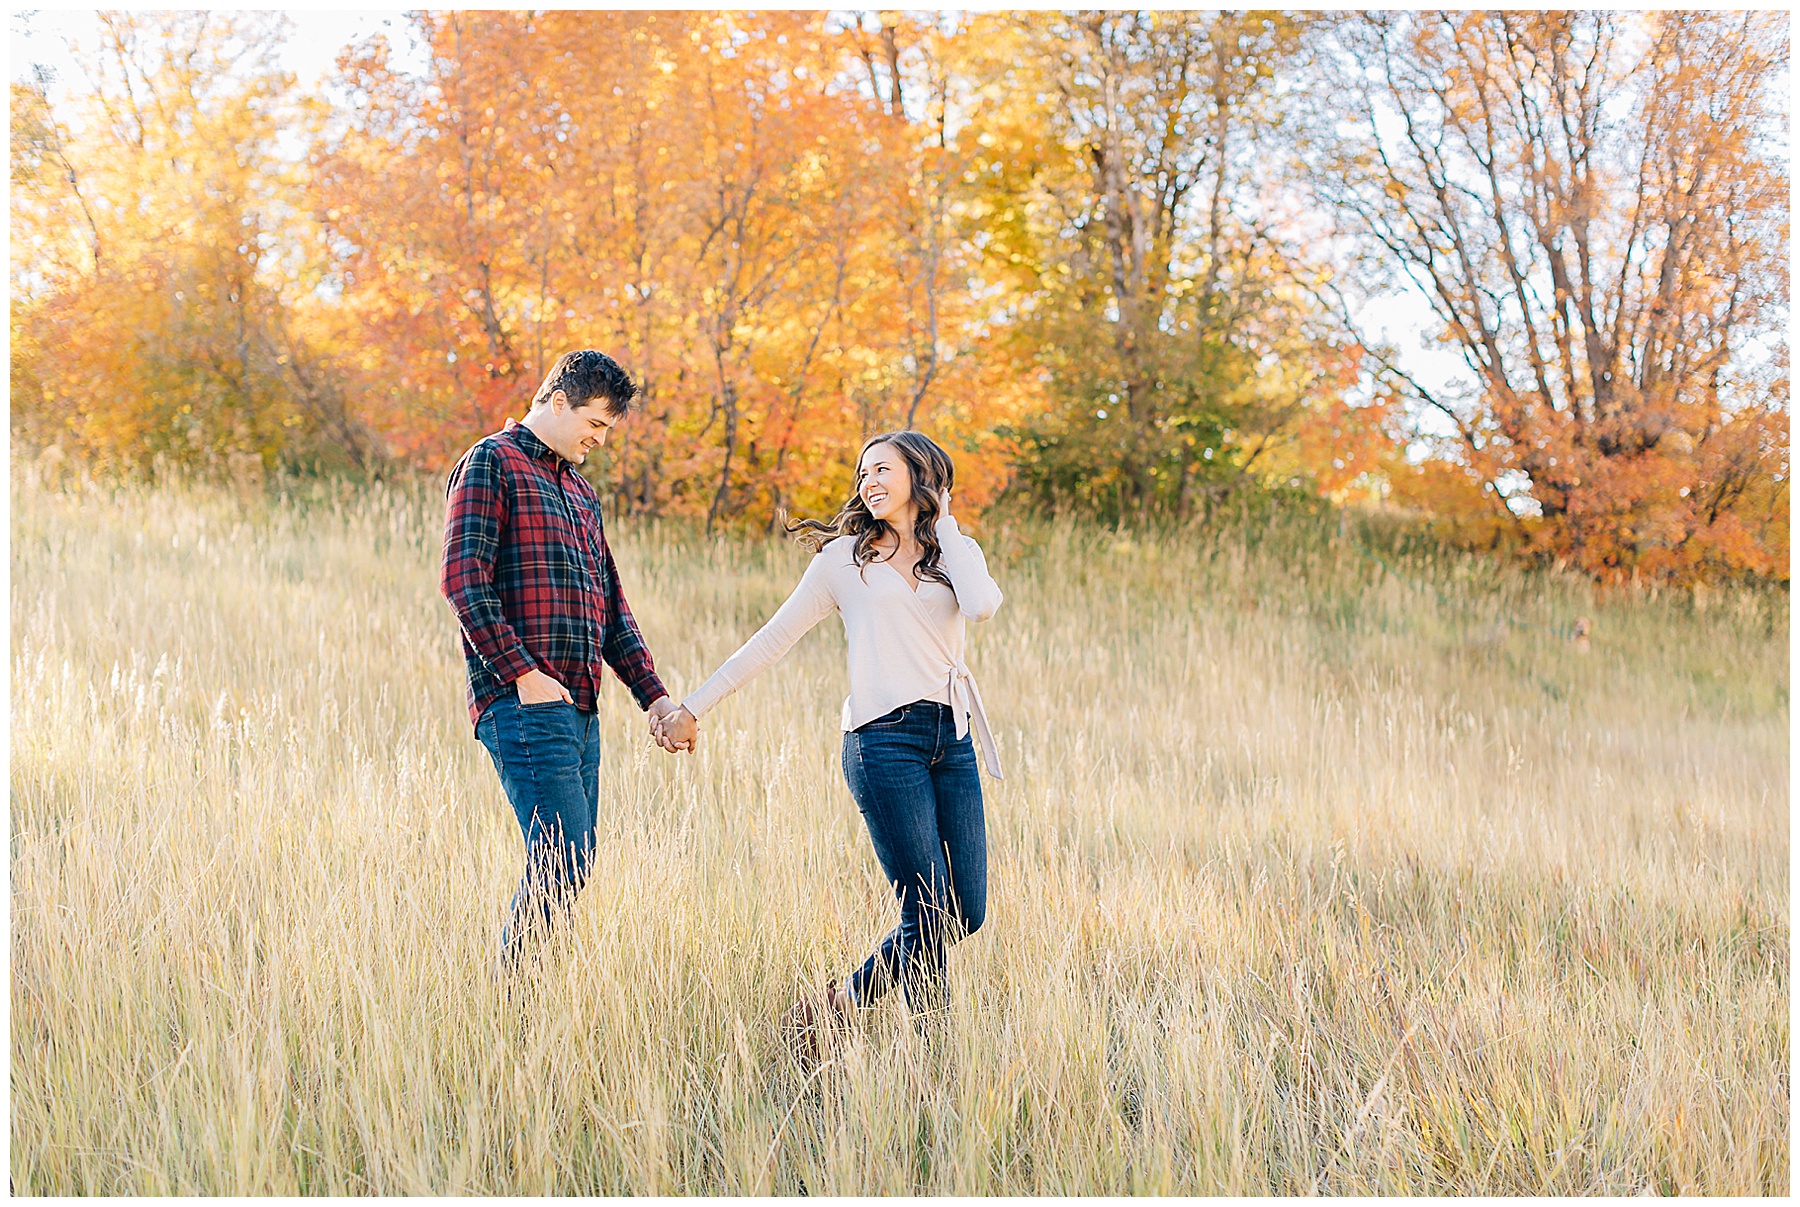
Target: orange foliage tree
704 194
1594 203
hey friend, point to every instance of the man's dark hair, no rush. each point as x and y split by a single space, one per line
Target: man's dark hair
583 376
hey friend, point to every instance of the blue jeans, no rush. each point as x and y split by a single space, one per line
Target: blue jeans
548 757
917 786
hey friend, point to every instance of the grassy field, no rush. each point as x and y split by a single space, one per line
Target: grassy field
1304 878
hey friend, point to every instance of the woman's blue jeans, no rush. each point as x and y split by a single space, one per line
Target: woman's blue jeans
548 757
919 791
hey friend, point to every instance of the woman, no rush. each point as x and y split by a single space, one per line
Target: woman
895 566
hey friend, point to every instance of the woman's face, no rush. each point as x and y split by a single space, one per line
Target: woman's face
885 482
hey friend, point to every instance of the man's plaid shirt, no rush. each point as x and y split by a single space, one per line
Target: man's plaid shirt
529 574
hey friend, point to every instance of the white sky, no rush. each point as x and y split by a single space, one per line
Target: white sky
309 51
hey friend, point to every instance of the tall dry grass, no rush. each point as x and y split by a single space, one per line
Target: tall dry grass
1303 878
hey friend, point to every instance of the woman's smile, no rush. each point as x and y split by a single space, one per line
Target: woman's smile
884 482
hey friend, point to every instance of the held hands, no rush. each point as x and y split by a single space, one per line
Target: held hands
673 727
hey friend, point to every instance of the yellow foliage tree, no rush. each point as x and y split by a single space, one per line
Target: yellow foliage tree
160 264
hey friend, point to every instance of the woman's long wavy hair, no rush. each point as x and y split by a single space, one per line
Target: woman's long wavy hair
931 472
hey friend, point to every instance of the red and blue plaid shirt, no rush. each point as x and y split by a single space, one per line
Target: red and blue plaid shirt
529 575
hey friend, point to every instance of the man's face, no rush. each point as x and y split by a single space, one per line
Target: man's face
573 431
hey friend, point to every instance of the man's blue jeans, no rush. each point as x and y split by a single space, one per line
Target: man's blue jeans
917 786
548 757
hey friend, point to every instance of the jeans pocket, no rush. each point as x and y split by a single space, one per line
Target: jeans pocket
890 720
487 732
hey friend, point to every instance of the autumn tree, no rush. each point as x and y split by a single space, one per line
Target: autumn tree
445 233
1594 205
160 268
1123 157
936 323
711 196
778 212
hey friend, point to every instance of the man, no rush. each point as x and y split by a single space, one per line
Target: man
532 581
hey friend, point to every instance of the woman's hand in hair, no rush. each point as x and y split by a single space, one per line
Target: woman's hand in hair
944 507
